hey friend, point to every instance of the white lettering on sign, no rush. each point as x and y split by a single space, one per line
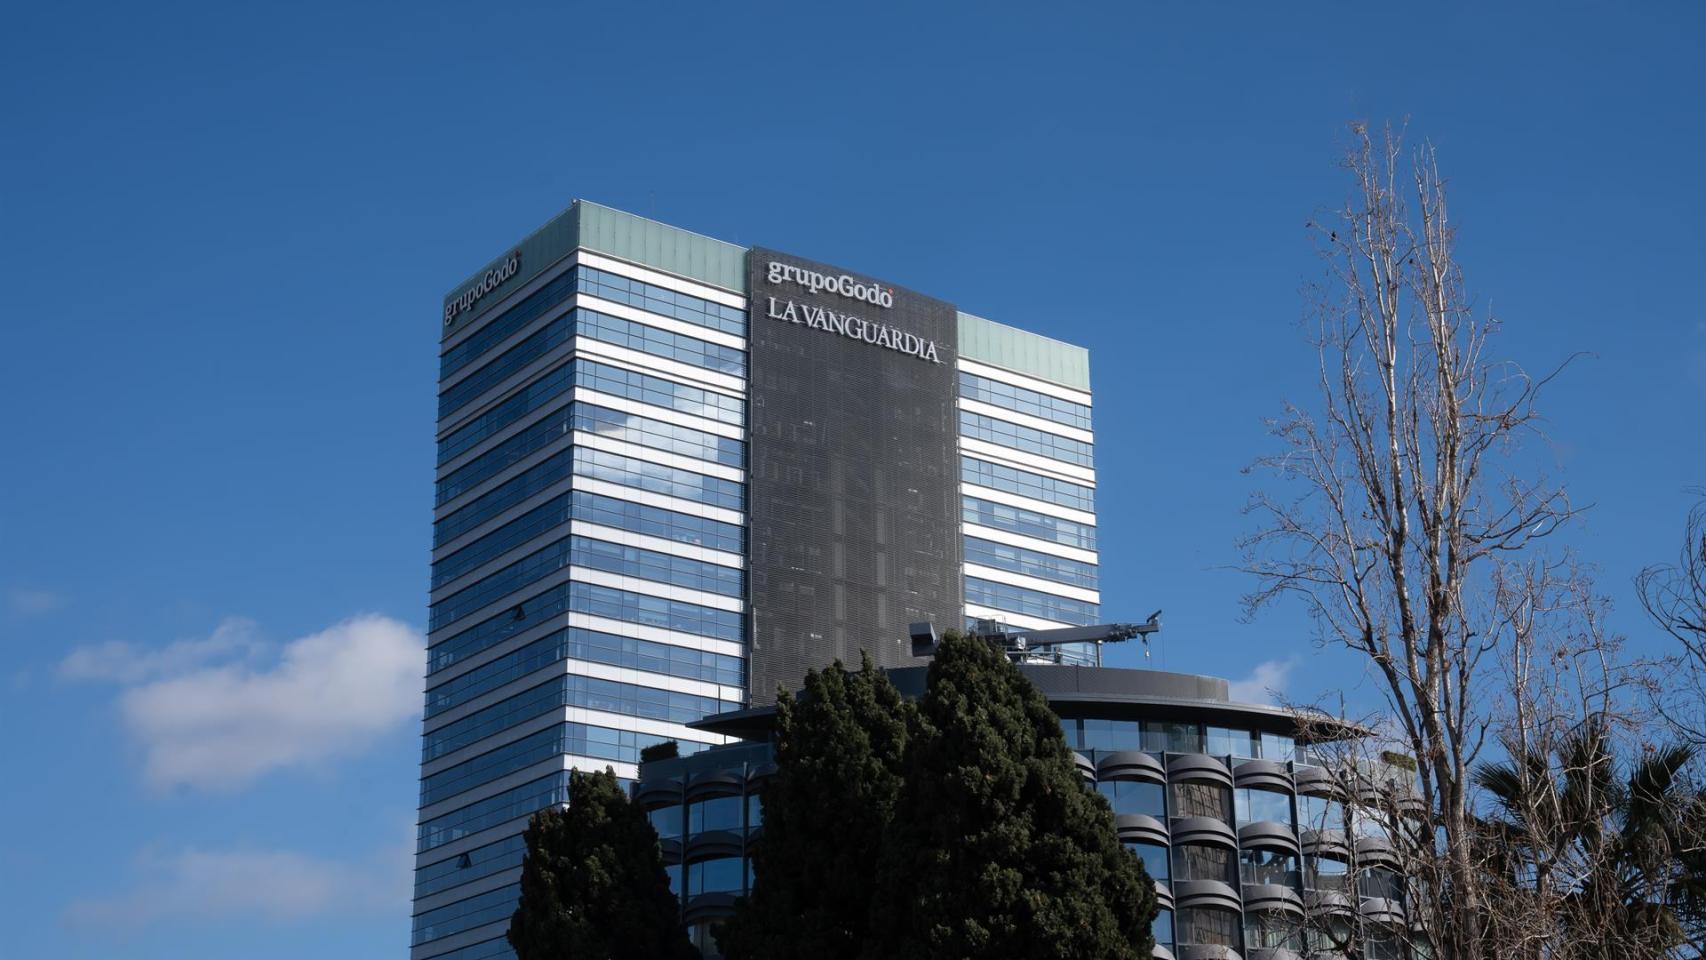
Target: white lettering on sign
853 328
872 293
493 279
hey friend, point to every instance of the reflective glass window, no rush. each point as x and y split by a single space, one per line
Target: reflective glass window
1134 796
1225 742
1202 799
1193 861
1380 883
1181 737
1157 860
666 821
1110 735
1162 929
1208 927
717 813
1278 746
1320 813
1269 866
1273 931
999 476
722 875
1326 873
1254 805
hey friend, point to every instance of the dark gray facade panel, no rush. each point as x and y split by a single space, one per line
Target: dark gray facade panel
853 472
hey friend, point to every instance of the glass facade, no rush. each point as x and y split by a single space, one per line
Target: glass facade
587 578
592 551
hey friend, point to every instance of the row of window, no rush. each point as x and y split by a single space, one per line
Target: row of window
534 306
573 690
592 554
1027 484
535 345
1040 442
498 949
534 480
658 522
522 801
1021 400
1031 603
632 385
479 862
596 326
657 566
657 478
659 435
576 643
1027 523
534 396
593 508
702 816
1031 563
1329 935
536 436
662 300
480 909
659 392
583 598
1161 736
566 738
660 343
719 875
547 516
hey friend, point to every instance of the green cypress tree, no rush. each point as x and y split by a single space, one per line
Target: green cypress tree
997 848
839 753
593 885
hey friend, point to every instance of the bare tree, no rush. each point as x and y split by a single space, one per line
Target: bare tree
1405 493
1675 597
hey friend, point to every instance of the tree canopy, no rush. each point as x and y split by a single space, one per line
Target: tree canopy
840 749
593 885
997 849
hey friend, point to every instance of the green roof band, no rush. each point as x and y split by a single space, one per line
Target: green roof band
1024 352
622 235
720 264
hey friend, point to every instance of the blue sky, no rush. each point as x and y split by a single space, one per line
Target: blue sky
227 230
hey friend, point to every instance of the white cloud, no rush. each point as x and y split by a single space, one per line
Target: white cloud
195 885
206 716
127 663
29 602
1265 684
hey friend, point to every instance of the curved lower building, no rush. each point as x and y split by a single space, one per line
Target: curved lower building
1248 840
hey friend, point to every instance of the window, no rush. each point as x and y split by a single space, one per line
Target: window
1196 862
1326 873
1381 884
722 875
1202 800
1163 929
1156 859
1208 927
1273 930
1331 934
717 813
1134 796
1269 866
1224 742
1110 735
1257 805
666 821
754 810
1320 813
1180 737
1278 746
